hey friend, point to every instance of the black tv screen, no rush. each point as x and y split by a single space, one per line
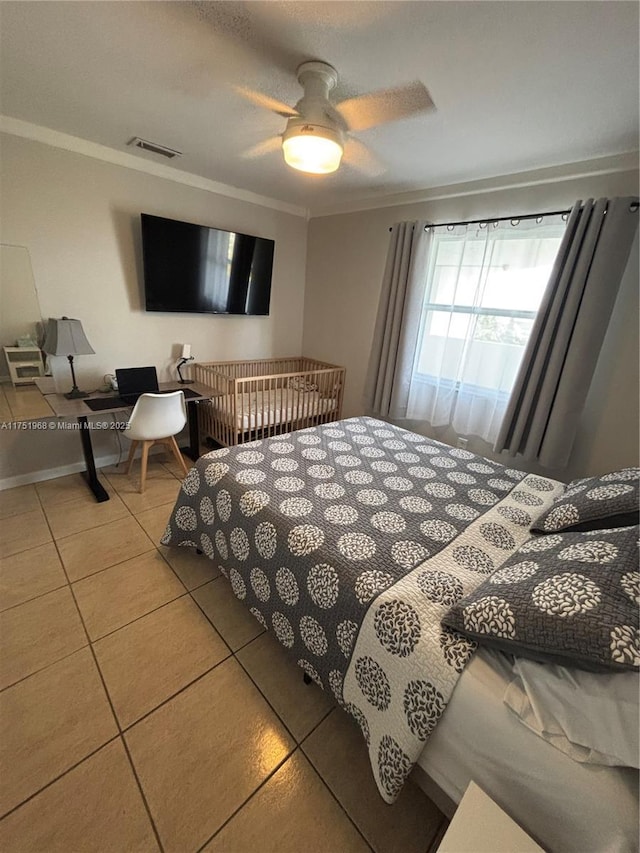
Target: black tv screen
196 269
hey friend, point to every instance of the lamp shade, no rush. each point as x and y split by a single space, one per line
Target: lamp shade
66 337
311 148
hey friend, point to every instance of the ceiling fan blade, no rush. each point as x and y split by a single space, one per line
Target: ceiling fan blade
385 105
357 155
265 101
267 146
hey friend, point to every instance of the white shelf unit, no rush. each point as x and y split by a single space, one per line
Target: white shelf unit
25 364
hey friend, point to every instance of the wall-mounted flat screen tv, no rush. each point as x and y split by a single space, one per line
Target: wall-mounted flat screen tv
196 269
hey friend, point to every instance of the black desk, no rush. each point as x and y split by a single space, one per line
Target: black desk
63 408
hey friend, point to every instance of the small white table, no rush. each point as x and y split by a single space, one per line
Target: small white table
24 363
480 826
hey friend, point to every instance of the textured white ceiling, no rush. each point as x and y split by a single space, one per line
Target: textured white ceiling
517 85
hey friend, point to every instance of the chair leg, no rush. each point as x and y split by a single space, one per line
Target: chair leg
143 469
173 444
132 453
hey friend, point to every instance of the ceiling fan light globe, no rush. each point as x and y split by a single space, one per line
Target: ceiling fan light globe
308 152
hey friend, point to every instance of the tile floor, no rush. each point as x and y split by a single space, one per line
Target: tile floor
143 708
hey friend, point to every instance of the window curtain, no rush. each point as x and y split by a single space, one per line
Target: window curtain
397 324
556 370
483 285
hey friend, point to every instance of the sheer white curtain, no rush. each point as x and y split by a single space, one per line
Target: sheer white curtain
483 286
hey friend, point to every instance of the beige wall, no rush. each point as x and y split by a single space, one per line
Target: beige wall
79 219
345 261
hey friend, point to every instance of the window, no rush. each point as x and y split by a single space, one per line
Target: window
483 287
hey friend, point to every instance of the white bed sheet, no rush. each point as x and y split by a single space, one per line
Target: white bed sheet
274 407
566 806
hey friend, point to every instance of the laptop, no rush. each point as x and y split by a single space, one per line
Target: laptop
134 381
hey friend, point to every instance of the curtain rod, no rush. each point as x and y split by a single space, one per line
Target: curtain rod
487 220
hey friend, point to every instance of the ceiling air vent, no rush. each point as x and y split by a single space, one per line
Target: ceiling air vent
154 147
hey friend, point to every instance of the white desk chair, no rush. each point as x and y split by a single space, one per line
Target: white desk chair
156 419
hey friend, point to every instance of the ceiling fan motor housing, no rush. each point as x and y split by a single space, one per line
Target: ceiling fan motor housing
313 140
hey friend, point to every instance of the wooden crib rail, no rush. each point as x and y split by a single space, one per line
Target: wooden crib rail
267 366
297 393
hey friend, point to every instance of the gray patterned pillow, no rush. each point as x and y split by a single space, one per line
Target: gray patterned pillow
569 598
594 503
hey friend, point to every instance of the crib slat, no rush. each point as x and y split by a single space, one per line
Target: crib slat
288 408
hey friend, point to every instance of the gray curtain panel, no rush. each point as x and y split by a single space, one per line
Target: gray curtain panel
558 364
397 324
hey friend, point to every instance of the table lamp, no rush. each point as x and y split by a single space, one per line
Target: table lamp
66 337
184 358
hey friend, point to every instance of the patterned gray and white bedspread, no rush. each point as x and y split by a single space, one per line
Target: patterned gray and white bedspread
350 541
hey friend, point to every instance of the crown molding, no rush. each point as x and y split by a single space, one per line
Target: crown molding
625 162
56 139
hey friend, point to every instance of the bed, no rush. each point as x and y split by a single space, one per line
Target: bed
351 541
565 805
268 396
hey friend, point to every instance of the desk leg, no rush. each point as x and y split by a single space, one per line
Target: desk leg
90 474
193 451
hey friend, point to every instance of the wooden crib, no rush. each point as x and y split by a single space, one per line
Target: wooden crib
265 397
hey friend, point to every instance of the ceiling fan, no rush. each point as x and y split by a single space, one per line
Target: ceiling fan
318 132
